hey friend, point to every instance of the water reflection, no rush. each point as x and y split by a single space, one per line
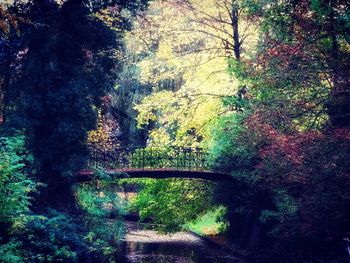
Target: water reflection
147 246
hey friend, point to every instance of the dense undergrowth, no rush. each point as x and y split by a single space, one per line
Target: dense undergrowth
84 234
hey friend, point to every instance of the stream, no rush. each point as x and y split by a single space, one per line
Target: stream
148 246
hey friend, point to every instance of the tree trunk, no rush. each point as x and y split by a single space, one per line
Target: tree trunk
236 42
339 103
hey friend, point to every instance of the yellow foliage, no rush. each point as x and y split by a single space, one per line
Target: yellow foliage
100 136
182 44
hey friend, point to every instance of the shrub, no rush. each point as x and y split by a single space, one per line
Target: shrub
11 252
15 184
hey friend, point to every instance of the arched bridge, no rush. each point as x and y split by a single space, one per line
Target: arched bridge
151 162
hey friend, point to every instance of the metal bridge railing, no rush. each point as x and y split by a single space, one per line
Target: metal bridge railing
177 158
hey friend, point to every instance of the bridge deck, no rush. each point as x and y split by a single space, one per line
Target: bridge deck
87 175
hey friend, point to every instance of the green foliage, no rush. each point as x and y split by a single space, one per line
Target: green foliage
15 184
11 252
211 223
284 169
100 246
286 209
173 202
229 149
274 160
100 174
100 200
66 66
239 69
285 141
57 237
51 238
183 58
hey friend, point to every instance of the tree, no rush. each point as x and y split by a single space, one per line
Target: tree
173 202
9 48
69 60
314 51
183 56
230 22
290 143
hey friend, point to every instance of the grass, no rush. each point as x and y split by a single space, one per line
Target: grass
209 223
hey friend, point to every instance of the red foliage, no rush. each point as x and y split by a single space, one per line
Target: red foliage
280 151
342 133
88 54
312 167
106 101
284 50
286 55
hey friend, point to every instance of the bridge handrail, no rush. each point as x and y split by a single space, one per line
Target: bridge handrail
179 158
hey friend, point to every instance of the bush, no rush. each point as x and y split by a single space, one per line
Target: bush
52 237
15 184
57 237
103 209
100 200
11 252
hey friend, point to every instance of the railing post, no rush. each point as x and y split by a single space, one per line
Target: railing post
177 157
150 161
172 157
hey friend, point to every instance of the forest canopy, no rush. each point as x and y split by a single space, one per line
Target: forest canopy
263 87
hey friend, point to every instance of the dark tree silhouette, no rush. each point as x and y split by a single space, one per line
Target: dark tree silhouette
66 59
